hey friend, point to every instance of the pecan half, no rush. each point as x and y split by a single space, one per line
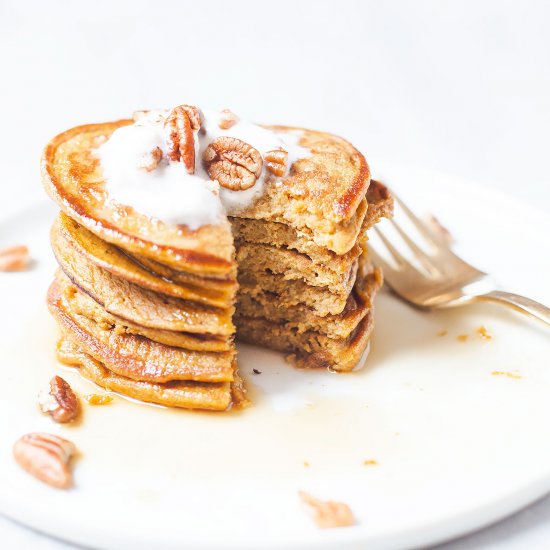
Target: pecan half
151 160
235 164
181 123
14 258
328 514
61 402
46 457
276 161
227 119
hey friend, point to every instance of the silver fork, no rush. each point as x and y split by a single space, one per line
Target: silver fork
438 278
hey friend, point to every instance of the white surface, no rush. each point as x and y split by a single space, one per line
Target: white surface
463 86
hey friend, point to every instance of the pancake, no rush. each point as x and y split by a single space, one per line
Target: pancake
189 395
334 276
283 236
380 204
134 356
73 178
82 304
68 232
301 318
322 196
226 285
262 285
309 349
129 301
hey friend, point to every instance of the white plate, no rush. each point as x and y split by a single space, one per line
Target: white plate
456 446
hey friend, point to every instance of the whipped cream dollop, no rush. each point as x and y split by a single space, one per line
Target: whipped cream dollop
168 192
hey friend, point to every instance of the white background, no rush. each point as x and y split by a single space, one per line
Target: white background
460 86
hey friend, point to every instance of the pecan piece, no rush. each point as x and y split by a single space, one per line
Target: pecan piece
46 457
227 119
235 164
14 258
276 161
61 402
151 160
181 123
328 514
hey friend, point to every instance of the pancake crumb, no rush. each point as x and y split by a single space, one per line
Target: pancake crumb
327 514
443 333
95 399
370 462
306 464
462 337
513 375
482 332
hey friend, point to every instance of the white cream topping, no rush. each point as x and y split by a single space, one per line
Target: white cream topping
168 192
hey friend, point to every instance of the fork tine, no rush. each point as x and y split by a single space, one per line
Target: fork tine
419 254
396 255
387 269
418 223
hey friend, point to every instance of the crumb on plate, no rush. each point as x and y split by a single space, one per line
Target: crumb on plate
327 514
513 375
14 258
96 399
482 333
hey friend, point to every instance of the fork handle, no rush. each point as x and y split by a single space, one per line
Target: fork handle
519 303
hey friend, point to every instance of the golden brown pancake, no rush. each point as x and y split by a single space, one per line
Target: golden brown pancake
73 178
133 356
310 349
323 196
139 305
103 254
295 292
82 304
189 395
380 204
294 266
302 318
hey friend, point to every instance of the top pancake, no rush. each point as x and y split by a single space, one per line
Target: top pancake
73 178
322 197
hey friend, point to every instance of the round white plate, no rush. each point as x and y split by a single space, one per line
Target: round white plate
456 445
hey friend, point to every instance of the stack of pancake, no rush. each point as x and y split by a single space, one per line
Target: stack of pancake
313 301
148 309
142 310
